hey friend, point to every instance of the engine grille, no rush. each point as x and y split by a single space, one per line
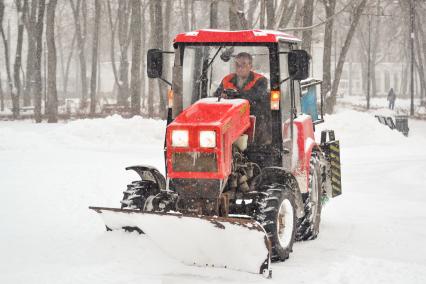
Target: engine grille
194 162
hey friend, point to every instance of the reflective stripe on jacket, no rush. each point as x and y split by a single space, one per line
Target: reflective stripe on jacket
228 84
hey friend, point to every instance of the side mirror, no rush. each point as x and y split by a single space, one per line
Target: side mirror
298 64
154 63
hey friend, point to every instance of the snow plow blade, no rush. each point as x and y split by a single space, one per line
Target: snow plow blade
234 243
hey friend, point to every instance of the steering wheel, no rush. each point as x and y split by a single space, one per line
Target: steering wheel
230 94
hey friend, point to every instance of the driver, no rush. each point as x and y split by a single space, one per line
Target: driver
252 87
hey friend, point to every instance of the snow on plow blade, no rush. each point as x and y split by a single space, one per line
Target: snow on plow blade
233 243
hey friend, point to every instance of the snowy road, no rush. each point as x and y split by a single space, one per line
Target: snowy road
49 174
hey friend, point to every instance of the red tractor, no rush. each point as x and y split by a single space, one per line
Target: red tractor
237 192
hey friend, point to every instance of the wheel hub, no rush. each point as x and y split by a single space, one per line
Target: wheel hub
285 223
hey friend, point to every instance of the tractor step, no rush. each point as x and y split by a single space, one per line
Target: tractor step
234 243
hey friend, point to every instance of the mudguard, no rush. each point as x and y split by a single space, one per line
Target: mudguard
331 148
145 172
234 243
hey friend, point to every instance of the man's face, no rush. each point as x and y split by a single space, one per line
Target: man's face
242 67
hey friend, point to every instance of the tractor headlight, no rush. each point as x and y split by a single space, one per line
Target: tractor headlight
180 138
208 139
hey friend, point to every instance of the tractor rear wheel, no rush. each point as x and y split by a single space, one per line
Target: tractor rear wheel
308 227
277 214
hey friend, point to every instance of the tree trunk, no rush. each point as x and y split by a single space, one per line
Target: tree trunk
233 18
22 10
331 102
250 13
167 59
95 44
135 83
6 52
66 66
213 14
420 66
262 14
30 24
298 17
151 87
308 14
157 36
124 42
37 62
237 18
143 57
270 14
1 96
329 6
285 12
421 50
52 102
113 27
81 40
374 51
185 15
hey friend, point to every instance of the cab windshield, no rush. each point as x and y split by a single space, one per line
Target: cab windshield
203 68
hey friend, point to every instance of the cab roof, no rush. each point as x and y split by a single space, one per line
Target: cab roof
244 36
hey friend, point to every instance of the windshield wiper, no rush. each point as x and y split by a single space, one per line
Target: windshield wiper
203 77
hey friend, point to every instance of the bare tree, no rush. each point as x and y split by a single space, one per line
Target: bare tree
135 84
95 44
420 42
38 32
64 58
308 14
213 14
262 14
124 9
329 6
156 18
1 96
52 102
250 13
237 19
185 15
30 26
298 17
151 87
121 23
331 100
6 54
22 10
143 56
270 14
285 12
79 9
374 49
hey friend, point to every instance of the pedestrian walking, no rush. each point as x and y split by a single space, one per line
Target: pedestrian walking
391 98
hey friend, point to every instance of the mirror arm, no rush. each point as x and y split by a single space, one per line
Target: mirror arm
165 81
284 80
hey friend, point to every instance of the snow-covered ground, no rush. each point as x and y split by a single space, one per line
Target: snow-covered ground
49 174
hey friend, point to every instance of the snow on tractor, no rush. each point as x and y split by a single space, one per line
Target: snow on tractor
245 177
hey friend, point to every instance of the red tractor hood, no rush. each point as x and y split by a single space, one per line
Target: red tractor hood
228 118
210 111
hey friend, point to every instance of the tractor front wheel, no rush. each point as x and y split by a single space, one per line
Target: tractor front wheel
277 214
139 194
